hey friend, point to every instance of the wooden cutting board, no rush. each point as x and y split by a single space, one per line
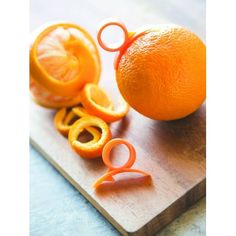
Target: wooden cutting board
172 152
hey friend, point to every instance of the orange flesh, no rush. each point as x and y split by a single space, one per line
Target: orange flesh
57 54
63 58
59 62
46 99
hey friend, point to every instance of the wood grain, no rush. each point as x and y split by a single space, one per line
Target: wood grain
172 152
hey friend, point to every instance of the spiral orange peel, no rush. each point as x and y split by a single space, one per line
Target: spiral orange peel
95 106
89 150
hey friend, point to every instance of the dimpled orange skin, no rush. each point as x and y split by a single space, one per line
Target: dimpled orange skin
162 74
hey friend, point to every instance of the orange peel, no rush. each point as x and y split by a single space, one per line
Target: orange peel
120 48
112 22
91 100
80 111
62 121
83 58
112 170
89 150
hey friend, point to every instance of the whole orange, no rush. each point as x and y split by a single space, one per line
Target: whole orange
162 73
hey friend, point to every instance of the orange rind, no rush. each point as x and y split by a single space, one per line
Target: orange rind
120 48
80 111
146 69
62 121
89 150
92 102
112 170
107 23
63 58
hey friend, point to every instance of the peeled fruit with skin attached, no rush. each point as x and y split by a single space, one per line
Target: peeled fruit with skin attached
162 74
64 53
44 98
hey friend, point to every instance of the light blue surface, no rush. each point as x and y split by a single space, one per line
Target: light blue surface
57 208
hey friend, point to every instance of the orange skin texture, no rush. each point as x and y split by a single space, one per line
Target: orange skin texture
112 170
162 74
91 149
97 103
50 96
64 117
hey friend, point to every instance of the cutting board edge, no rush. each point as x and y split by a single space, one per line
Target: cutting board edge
178 207
79 188
151 227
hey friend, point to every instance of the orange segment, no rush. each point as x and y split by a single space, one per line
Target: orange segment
63 58
86 150
91 100
46 99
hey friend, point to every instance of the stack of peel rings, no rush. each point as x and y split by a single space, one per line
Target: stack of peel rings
91 116
64 72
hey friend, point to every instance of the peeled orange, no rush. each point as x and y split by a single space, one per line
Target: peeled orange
63 58
46 99
161 71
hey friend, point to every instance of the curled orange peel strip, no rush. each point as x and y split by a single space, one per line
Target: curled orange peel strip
80 111
110 174
89 150
112 22
101 98
120 48
63 118
61 121
94 105
112 170
57 87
